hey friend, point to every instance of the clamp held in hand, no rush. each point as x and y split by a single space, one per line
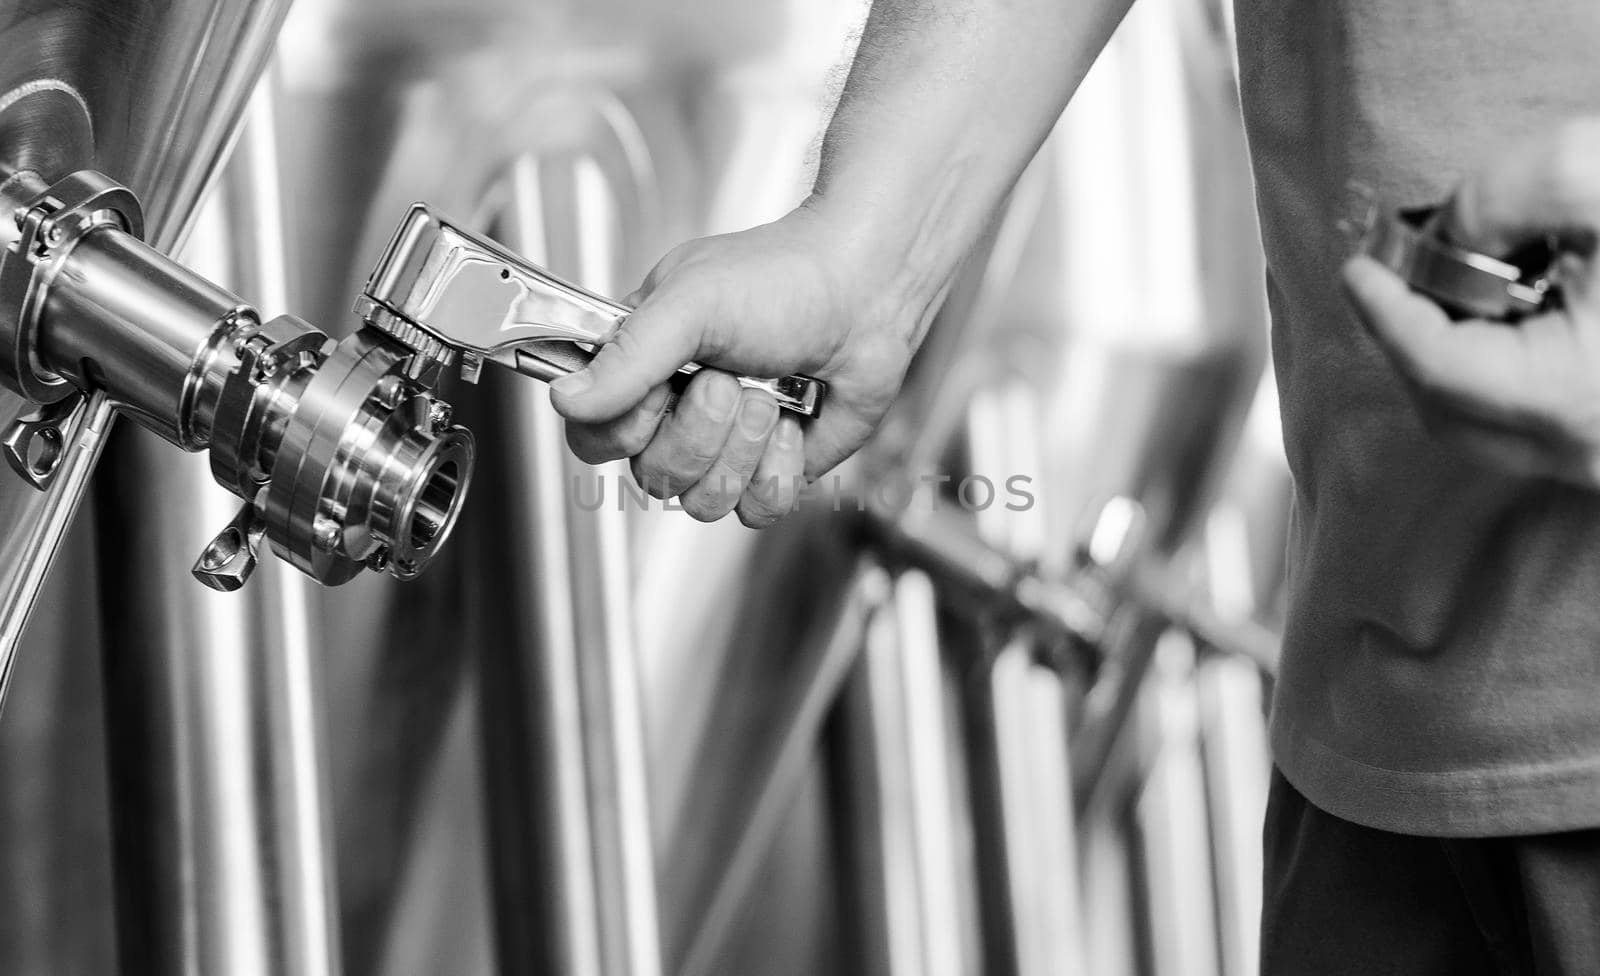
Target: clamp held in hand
480 302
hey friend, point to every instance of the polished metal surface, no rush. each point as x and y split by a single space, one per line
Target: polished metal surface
1019 710
1466 283
161 87
909 829
566 786
219 784
487 304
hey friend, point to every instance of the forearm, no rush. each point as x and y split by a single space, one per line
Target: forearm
945 104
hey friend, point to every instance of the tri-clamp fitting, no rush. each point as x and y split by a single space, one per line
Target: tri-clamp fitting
343 453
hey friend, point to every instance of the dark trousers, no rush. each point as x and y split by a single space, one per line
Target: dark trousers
1346 900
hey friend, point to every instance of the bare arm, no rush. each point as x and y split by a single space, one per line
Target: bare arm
946 102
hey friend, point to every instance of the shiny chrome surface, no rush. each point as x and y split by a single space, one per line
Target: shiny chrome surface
567 788
219 793
907 837
1466 283
485 303
162 86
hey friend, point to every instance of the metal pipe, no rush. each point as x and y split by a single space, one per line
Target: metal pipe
218 800
728 862
905 810
1019 721
124 317
153 93
571 859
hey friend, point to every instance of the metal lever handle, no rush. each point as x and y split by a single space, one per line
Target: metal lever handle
484 303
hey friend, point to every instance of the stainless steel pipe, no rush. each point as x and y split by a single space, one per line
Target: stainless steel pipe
219 793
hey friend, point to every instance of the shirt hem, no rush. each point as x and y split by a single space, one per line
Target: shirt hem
1534 798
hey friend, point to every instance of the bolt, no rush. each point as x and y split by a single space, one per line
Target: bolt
378 560
267 366
439 416
387 392
325 533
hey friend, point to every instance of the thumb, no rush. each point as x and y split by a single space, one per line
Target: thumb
649 346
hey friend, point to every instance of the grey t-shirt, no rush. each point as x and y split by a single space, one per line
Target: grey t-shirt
1441 673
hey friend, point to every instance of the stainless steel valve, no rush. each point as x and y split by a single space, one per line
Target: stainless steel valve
342 451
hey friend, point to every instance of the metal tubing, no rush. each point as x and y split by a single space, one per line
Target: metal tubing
1233 739
1019 720
121 316
165 84
1170 811
731 863
901 787
218 802
571 857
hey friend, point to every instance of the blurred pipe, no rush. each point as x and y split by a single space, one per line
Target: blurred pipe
1170 810
1233 738
1018 714
740 830
570 850
905 805
218 798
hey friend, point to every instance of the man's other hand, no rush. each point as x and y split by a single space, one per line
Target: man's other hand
794 296
1526 396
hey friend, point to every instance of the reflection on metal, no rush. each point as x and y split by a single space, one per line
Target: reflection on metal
218 798
1021 722
150 95
571 857
345 459
735 832
909 845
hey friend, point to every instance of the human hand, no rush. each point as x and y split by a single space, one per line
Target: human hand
1526 396
793 296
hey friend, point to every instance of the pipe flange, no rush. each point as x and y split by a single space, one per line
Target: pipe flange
51 225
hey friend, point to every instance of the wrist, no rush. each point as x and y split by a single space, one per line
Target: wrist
892 262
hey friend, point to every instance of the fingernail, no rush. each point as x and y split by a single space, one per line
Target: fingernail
756 416
720 398
788 433
573 384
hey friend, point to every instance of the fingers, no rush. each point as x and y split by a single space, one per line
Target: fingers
1537 188
623 437
691 437
1478 366
716 494
775 486
649 347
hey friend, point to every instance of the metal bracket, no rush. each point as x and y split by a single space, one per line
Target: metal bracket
37 440
228 560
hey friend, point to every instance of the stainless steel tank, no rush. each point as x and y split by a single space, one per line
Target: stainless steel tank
150 93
